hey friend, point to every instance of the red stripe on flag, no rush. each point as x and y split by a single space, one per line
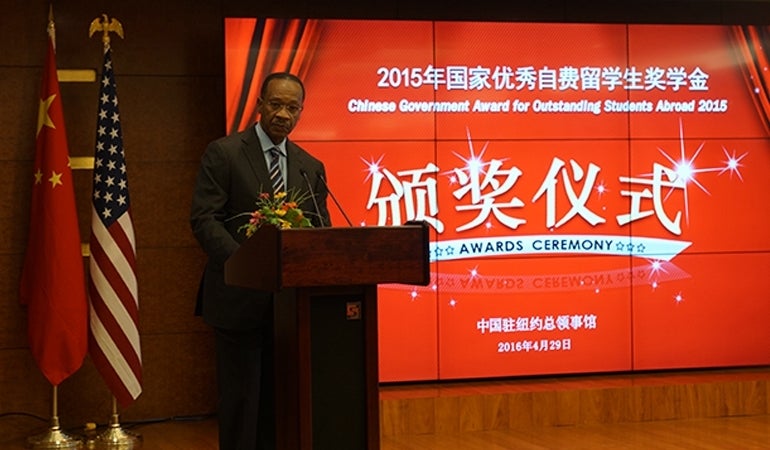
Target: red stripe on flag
108 320
111 378
113 278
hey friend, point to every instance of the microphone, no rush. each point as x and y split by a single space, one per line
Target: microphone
319 175
247 213
312 195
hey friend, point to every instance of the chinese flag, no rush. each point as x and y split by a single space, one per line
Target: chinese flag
52 281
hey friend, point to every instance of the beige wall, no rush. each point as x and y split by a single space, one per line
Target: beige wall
169 71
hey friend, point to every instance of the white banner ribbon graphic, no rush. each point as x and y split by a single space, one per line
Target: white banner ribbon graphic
638 246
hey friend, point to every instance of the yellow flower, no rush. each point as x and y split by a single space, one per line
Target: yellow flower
280 210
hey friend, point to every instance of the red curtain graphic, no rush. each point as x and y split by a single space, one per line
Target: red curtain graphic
752 44
258 47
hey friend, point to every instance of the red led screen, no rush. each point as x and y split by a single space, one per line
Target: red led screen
596 193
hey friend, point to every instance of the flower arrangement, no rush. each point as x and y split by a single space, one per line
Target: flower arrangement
280 210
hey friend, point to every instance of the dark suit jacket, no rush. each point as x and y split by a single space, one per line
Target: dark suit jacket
232 174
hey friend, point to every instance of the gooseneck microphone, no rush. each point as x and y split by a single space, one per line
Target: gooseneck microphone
320 175
312 195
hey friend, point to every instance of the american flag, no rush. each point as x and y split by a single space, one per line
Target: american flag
114 308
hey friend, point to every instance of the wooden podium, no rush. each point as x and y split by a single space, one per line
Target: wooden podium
324 282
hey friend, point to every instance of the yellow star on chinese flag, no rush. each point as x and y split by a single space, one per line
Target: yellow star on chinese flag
42 114
55 179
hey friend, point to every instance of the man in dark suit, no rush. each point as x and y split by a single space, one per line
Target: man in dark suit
234 171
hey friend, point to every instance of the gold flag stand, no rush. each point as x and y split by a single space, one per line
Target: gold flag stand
114 437
55 438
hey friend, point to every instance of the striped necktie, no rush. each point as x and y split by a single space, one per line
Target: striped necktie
276 177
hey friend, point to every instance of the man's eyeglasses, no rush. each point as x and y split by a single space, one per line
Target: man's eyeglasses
291 108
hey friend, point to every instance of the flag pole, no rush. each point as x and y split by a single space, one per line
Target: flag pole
114 437
54 438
